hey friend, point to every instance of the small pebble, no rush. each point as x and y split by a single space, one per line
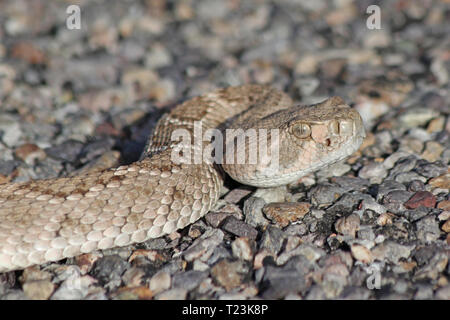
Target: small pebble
242 248
160 281
286 212
229 274
39 289
239 228
348 225
421 198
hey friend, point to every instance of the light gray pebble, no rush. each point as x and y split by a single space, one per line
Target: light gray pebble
243 248
173 294
310 252
204 246
287 279
160 281
416 117
366 233
433 267
406 177
12 133
220 252
109 269
428 229
392 251
188 280
253 212
392 159
157 57
443 293
387 186
403 165
324 194
338 169
348 225
272 239
394 200
74 288
351 183
431 170
424 292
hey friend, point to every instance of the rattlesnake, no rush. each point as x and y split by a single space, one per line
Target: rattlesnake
48 220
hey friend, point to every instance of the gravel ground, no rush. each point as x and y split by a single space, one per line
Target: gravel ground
373 227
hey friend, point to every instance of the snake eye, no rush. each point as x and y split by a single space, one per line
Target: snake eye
301 130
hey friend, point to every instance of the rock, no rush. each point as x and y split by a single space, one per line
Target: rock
351 183
272 239
392 159
253 212
446 226
444 205
442 182
133 277
415 185
416 117
39 289
29 153
86 261
394 200
424 292
433 151
407 177
421 198
243 248
323 195
173 294
66 151
157 57
74 288
385 219
229 274
12 132
188 280
361 253
433 267
159 282
133 293
348 225
428 229
204 246
387 186
285 213
236 195
391 251
443 293
109 269
290 278
431 170
310 252
374 171
239 228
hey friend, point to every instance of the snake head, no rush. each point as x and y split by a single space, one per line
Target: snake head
303 139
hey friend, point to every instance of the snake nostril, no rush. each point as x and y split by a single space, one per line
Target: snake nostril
328 142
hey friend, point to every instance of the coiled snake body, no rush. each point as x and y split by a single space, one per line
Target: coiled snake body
48 220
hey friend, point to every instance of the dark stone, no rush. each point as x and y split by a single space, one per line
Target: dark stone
239 228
